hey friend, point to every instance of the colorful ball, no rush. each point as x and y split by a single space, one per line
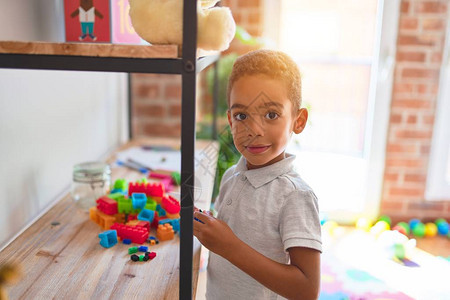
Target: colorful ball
379 228
405 226
386 219
419 230
443 228
430 229
364 224
413 223
440 220
400 229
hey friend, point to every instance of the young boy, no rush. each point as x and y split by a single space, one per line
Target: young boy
265 240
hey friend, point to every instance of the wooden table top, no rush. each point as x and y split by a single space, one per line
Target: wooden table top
61 256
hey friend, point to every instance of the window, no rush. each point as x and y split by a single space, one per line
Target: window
345 52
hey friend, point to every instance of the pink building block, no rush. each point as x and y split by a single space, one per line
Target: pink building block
135 233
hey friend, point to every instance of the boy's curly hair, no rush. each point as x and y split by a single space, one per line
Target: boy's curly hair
275 65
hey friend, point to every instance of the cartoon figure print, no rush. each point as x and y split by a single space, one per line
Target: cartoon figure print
87 13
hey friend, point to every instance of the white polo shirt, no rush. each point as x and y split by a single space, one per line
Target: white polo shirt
271 209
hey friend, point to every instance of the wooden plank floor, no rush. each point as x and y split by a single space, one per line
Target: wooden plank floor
62 259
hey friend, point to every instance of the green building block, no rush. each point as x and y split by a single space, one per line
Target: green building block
125 206
176 177
121 184
151 204
132 250
116 196
142 180
141 257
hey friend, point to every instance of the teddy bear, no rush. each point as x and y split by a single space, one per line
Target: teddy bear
161 22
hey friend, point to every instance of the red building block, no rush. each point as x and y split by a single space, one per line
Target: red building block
150 189
136 234
170 205
107 205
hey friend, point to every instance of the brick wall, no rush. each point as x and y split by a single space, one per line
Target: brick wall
420 46
156 99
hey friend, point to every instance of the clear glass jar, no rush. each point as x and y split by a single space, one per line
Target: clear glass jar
91 180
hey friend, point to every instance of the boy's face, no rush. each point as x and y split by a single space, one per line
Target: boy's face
261 118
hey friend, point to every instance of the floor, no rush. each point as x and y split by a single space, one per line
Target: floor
346 243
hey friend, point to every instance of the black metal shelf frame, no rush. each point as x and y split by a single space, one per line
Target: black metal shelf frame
188 66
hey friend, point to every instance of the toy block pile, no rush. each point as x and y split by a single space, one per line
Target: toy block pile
132 209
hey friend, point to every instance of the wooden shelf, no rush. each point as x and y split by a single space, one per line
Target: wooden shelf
89 49
66 260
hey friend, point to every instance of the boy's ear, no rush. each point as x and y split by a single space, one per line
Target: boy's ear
229 117
300 120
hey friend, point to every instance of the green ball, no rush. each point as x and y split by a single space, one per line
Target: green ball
419 230
405 226
386 219
440 220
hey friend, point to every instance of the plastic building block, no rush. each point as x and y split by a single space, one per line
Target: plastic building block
116 191
152 255
134 257
165 232
125 206
160 210
153 240
132 250
151 204
176 178
126 241
107 205
160 175
132 217
143 180
141 257
150 189
108 238
170 205
174 216
143 248
137 235
146 215
145 224
120 218
116 196
138 200
103 220
121 184
167 182
174 222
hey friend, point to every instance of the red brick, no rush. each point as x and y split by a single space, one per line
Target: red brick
147 90
407 192
393 177
436 57
433 24
413 40
428 119
396 118
254 17
411 103
412 56
175 110
161 129
401 148
425 149
250 3
390 205
403 88
415 178
411 119
437 7
149 110
420 73
408 23
173 91
405 7
414 134
404 163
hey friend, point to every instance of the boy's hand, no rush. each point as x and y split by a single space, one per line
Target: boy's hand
214 234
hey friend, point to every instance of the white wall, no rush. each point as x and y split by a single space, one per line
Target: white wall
49 120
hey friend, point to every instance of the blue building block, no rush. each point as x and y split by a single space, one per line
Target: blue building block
126 241
119 191
138 200
108 238
146 215
174 222
160 210
143 248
